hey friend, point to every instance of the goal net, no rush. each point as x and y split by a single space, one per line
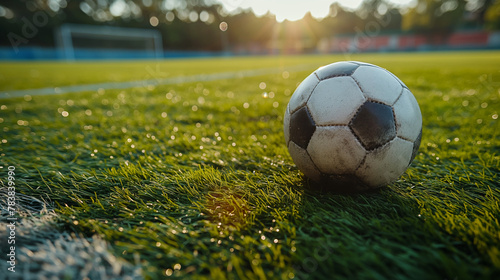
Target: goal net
94 42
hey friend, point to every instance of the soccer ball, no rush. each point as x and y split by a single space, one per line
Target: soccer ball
352 126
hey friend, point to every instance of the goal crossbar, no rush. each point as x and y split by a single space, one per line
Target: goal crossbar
65 34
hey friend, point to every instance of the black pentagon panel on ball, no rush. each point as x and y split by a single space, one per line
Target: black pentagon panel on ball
416 145
374 124
336 69
302 127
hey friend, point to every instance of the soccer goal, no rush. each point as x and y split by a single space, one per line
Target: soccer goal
94 42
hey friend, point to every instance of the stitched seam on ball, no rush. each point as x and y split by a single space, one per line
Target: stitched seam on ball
405 139
364 64
399 96
332 125
314 164
378 102
335 76
357 83
357 138
381 147
292 112
309 114
361 162
307 100
312 91
398 79
395 120
316 74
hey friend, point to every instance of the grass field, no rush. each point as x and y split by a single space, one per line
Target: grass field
193 180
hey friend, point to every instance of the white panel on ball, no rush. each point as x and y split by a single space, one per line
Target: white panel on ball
303 161
286 124
335 101
302 93
408 116
335 150
384 165
378 84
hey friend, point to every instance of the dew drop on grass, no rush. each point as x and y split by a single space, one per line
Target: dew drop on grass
471 92
265 95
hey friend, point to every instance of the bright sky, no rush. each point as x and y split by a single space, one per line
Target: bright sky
294 9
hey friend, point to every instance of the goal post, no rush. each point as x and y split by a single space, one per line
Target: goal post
75 41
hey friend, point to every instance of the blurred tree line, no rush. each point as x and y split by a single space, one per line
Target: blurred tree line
205 25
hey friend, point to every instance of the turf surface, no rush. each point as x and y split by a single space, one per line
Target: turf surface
194 179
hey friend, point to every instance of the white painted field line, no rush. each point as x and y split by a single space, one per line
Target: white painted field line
154 82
